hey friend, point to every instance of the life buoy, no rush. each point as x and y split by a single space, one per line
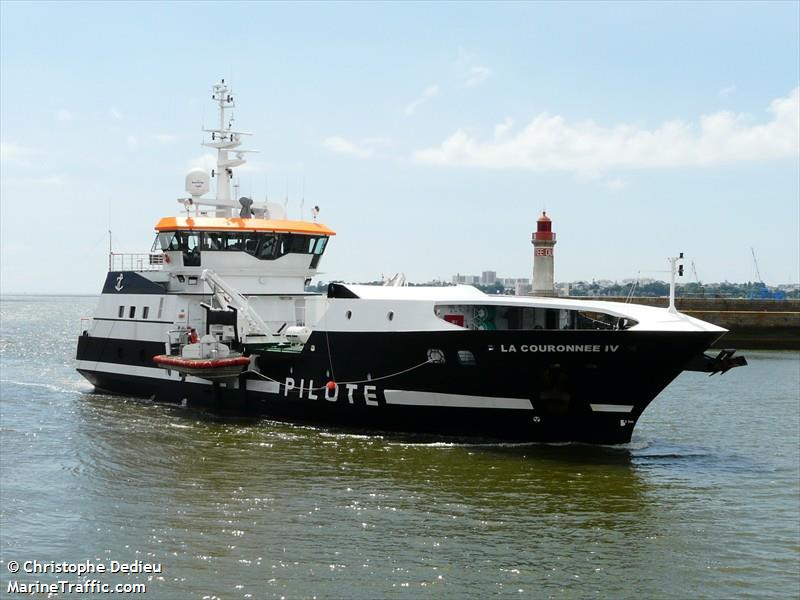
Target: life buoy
192 336
167 259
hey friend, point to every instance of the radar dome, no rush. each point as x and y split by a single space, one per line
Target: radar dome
197 182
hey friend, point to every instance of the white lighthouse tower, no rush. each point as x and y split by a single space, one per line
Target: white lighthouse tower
543 240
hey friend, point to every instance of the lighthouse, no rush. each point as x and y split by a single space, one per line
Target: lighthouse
543 240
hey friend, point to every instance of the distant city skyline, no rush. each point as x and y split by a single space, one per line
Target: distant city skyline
431 135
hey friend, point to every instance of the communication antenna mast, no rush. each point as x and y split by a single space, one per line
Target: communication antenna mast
755 262
303 199
694 272
225 139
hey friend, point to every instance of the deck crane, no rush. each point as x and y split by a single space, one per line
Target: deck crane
755 262
694 272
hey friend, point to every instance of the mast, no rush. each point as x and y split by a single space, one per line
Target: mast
224 139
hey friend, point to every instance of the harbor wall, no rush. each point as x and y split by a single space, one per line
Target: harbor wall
752 324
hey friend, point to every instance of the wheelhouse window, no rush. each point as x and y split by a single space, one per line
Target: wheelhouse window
268 247
145 312
132 312
262 245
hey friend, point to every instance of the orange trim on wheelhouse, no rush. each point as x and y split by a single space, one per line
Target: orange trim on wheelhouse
239 224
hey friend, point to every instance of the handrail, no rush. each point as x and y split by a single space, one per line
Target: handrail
122 261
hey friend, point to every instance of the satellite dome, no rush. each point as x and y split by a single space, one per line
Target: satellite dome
197 182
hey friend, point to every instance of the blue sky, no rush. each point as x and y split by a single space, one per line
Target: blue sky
431 135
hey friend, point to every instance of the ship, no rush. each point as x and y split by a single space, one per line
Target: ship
219 316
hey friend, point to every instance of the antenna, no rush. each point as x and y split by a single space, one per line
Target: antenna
225 139
286 201
755 262
303 199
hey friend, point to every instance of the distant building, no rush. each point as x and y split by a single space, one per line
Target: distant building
488 278
523 287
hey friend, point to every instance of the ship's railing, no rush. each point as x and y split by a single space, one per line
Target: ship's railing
119 261
86 324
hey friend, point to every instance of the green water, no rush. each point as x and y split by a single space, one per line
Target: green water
704 503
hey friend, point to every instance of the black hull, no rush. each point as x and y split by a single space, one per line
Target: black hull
587 386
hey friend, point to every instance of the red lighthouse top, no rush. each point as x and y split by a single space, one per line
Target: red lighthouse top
544 229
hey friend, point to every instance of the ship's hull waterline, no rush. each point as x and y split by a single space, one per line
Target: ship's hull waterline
585 386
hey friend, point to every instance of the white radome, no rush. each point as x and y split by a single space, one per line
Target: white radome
197 182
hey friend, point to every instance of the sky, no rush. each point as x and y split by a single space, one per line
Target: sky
431 135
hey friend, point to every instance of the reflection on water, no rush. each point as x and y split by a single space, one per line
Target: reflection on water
703 503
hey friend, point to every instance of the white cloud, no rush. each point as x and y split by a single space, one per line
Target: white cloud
361 148
64 115
477 75
132 141
430 92
205 161
502 129
727 91
14 154
551 143
165 138
115 113
615 184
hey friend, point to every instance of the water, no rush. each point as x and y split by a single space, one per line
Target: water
704 503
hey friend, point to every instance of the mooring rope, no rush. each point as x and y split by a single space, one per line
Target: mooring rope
422 364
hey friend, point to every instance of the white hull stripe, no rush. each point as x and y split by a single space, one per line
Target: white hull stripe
616 408
268 387
408 398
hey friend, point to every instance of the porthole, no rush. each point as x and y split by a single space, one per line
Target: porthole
436 356
390 315
348 314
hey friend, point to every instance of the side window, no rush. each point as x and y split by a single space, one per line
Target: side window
160 307
213 240
121 312
233 241
145 312
191 249
169 241
300 244
467 358
132 313
268 248
319 248
251 243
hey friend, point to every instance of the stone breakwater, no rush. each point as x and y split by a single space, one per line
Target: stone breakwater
755 324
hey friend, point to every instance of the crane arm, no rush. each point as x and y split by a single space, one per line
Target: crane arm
227 296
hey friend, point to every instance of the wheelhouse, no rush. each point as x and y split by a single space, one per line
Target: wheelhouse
260 238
